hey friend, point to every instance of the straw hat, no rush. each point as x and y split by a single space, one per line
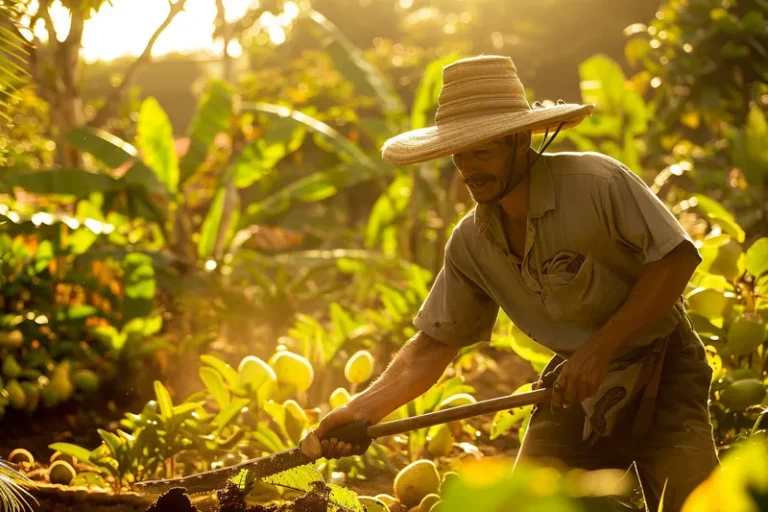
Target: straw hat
482 99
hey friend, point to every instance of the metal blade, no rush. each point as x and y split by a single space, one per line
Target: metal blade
217 478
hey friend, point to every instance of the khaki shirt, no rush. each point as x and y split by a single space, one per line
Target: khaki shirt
591 228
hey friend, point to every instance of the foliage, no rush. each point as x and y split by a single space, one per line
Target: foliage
13 495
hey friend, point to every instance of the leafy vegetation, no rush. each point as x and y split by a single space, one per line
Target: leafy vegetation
244 275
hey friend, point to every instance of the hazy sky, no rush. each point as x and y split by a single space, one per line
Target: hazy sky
125 28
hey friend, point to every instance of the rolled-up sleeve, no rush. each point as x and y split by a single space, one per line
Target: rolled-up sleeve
638 220
457 311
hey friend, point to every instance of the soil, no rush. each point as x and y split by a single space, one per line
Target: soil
232 499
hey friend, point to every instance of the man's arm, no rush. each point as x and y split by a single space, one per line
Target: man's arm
418 365
654 294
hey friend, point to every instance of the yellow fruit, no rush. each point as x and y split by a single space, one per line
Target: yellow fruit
13 339
255 374
16 394
742 393
339 397
292 369
387 499
21 456
456 400
415 481
85 380
61 472
372 504
708 302
359 368
440 441
426 503
745 334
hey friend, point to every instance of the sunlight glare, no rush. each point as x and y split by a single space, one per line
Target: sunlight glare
125 27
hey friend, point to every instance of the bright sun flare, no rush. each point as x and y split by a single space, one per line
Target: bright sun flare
125 27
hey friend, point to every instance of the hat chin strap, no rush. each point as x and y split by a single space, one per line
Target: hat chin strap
509 184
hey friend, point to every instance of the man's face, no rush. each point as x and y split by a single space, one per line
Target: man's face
485 169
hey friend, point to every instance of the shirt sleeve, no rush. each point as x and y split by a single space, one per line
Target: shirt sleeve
638 220
456 312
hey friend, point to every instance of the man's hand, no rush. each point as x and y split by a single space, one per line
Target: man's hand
332 448
582 374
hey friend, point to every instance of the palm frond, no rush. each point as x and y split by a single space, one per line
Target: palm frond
13 496
13 55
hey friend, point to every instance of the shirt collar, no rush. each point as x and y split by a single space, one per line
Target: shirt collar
541 193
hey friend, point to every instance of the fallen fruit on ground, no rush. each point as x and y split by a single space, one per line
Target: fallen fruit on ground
61 472
85 380
292 369
426 503
415 481
359 367
21 456
373 504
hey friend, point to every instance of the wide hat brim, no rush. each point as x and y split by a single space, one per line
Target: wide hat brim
459 135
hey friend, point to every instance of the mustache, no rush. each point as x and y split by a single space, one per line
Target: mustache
479 178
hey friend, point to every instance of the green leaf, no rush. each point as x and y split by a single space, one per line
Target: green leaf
67 182
428 91
229 373
213 117
229 413
210 228
115 152
344 498
156 143
524 346
78 452
298 479
719 215
214 382
757 257
345 148
387 208
164 400
140 284
349 60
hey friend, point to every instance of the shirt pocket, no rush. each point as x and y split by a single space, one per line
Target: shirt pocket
581 290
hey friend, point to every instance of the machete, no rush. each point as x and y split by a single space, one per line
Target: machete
358 433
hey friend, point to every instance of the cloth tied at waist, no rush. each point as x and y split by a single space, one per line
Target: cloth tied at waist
636 373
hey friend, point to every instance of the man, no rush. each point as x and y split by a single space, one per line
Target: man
584 258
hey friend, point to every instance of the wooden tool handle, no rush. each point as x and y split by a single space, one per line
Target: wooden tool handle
461 412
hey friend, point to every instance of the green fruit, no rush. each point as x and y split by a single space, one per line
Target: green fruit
359 368
415 481
372 504
13 339
745 334
339 397
440 441
32 393
425 505
16 394
11 368
708 302
61 472
742 394
292 369
21 456
253 372
85 380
